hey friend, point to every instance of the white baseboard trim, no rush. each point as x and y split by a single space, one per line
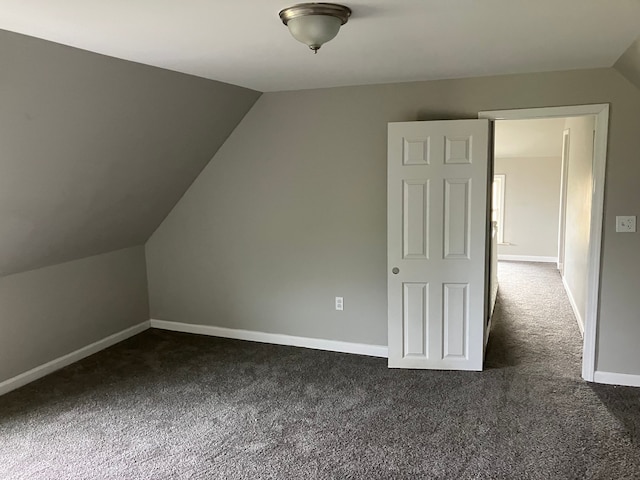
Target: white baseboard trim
527 258
616 378
574 306
50 367
275 338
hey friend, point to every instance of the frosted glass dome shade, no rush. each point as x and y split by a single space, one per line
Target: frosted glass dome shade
315 23
314 30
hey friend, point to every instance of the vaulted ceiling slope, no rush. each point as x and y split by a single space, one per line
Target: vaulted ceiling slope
95 151
629 63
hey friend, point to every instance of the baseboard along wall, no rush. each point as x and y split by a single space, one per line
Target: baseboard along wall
616 378
50 367
527 258
262 337
274 338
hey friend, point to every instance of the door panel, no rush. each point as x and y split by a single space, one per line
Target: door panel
437 224
415 319
456 218
415 222
456 319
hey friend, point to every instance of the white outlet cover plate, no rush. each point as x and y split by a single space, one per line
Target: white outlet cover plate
626 223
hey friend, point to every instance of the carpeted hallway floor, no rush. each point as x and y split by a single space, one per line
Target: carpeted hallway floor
167 405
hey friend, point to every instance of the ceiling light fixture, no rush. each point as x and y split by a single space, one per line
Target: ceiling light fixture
315 23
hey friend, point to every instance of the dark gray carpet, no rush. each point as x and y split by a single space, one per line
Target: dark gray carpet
169 405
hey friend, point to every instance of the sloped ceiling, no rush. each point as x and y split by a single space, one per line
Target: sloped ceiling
95 151
629 63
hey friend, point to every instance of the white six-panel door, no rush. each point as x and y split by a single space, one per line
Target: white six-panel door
437 228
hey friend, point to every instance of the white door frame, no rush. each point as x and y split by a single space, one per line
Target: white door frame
562 219
601 112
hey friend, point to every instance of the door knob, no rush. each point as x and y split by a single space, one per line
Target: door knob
395 270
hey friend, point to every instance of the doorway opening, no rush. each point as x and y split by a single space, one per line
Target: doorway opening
547 204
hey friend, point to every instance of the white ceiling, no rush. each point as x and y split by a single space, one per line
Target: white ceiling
528 138
243 41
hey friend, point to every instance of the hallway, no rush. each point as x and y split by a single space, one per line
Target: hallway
533 323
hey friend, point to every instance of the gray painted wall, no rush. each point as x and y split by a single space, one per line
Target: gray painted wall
50 312
292 210
532 205
629 63
95 151
579 185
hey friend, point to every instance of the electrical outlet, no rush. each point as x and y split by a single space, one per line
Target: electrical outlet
626 224
339 303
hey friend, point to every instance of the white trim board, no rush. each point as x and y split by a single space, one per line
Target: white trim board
274 338
601 113
527 258
278 339
616 378
574 306
61 362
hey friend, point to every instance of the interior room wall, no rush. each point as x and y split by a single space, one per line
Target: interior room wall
578 209
291 211
531 205
53 311
629 63
95 151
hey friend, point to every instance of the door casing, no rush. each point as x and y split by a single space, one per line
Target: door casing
601 113
562 220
